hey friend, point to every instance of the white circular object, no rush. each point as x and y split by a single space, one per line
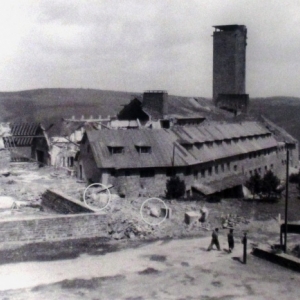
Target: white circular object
141 211
104 188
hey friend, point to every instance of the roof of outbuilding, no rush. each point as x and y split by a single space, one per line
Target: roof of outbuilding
24 129
21 134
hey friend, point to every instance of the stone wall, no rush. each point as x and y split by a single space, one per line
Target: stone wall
53 228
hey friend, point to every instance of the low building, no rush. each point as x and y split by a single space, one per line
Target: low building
28 142
210 158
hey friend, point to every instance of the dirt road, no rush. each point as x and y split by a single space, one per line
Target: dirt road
173 269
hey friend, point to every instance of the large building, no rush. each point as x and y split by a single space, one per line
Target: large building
210 158
229 67
211 152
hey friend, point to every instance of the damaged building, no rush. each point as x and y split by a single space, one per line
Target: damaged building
28 142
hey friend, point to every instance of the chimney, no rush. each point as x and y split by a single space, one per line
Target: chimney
155 103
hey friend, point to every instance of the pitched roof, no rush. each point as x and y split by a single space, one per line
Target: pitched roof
161 142
166 143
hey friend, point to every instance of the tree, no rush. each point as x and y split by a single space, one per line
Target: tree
270 183
175 188
254 184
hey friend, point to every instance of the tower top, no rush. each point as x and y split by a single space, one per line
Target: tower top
229 27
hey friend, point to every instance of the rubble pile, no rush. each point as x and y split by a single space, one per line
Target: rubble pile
125 228
233 220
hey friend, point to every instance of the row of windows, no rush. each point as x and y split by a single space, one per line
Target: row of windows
259 170
120 150
210 144
218 169
144 173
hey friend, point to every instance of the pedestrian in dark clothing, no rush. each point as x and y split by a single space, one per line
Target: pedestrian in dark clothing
244 241
214 240
230 240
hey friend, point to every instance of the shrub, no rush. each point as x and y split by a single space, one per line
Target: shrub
270 182
294 177
175 188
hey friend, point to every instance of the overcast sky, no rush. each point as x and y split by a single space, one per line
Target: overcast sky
136 45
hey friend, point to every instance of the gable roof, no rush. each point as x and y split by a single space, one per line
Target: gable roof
161 143
166 143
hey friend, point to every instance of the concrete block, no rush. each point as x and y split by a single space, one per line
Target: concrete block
191 217
166 212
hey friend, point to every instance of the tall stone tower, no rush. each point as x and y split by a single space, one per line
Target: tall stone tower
229 67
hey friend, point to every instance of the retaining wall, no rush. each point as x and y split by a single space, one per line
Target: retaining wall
51 228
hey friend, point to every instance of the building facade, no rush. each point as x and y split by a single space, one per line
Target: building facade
209 158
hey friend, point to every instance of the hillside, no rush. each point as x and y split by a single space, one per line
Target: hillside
49 106
284 111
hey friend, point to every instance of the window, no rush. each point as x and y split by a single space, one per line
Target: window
195 175
222 168
187 146
228 166
188 171
209 171
147 173
216 169
235 168
115 150
165 124
70 161
143 149
170 172
199 145
203 173
272 166
114 173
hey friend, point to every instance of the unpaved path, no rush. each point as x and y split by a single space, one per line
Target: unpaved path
172 269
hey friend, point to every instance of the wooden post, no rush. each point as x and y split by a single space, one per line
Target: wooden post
286 197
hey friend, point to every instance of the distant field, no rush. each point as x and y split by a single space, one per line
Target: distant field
284 111
49 106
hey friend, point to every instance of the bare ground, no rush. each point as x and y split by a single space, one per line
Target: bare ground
167 264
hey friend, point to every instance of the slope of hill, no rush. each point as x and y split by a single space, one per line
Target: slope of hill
283 111
49 106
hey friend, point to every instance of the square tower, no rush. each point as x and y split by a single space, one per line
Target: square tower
229 60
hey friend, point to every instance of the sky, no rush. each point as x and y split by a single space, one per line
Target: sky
138 45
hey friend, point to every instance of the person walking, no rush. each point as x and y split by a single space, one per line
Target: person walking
214 240
230 239
244 241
